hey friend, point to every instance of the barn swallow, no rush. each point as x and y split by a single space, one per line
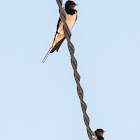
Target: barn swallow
98 134
71 17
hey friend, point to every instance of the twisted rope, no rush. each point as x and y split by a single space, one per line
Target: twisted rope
74 65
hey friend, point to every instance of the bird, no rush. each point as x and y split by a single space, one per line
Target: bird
71 17
99 134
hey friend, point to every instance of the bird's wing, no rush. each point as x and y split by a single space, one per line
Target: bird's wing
58 40
58 23
57 45
59 37
58 26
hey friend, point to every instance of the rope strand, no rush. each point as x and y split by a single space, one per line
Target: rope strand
74 66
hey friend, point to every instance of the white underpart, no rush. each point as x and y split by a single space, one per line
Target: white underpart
94 137
70 20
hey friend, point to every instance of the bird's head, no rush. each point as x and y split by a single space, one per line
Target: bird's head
70 5
99 132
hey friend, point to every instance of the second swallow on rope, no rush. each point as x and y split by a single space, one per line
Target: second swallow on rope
98 134
71 17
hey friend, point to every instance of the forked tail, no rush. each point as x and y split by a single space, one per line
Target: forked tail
44 59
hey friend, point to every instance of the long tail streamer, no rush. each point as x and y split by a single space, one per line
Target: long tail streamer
44 59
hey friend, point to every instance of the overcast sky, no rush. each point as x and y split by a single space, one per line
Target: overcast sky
39 101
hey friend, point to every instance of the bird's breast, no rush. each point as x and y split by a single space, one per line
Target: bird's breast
70 20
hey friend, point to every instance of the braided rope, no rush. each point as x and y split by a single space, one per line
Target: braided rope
74 65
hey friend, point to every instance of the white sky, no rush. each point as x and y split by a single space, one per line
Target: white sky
39 101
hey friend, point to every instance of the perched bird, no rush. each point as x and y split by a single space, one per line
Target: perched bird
99 134
71 17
